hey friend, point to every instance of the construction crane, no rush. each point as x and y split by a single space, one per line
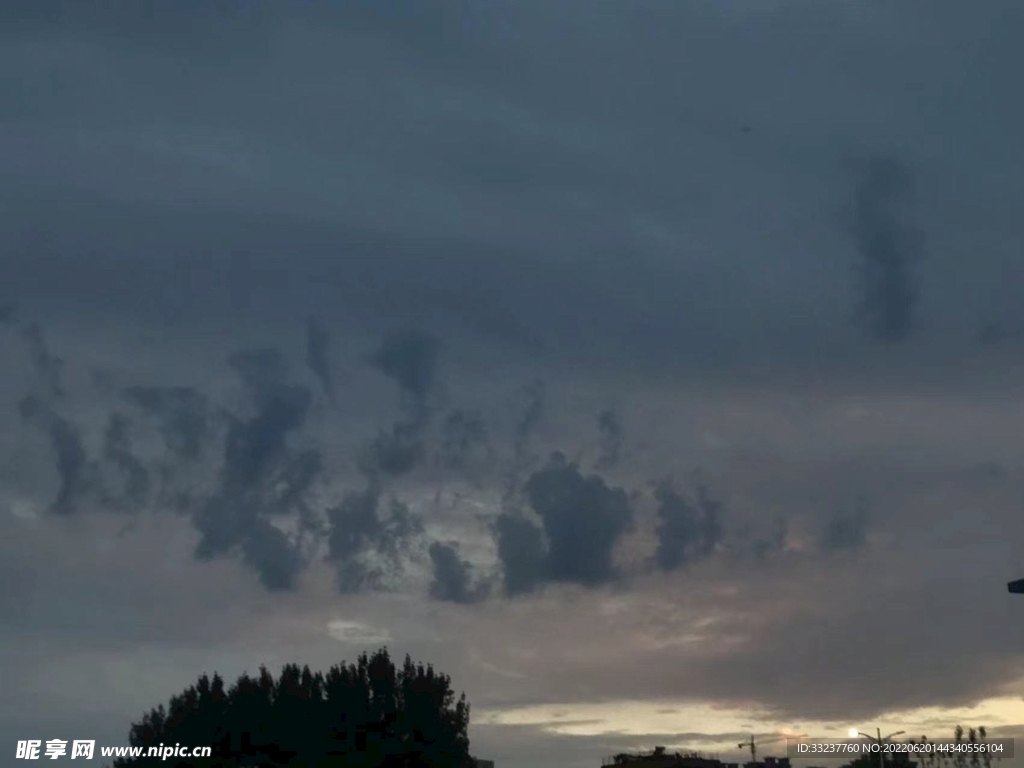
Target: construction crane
753 745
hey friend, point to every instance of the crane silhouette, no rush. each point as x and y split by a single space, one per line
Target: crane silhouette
752 744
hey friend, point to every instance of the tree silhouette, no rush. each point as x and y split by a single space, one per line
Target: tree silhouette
368 714
935 759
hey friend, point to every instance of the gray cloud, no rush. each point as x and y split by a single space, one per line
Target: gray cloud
452 576
891 247
358 527
845 529
409 358
582 519
532 413
686 531
117 448
522 553
629 202
612 437
259 475
48 366
79 477
183 415
465 440
318 355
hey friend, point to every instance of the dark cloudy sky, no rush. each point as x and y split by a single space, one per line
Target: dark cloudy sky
652 368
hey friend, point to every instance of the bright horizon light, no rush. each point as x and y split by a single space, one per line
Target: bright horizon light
853 733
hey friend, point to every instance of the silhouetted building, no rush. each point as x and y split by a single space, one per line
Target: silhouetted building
659 758
770 762
483 763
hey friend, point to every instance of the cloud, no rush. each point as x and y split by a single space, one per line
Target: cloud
521 550
774 542
452 576
612 436
183 415
357 529
845 529
532 413
890 247
409 358
117 448
79 477
686 531
318 355
47 365
260 476
357 633
582 519
465 440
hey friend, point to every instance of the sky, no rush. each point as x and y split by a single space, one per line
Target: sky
651 368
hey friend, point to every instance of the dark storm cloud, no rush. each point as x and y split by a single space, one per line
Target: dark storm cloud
117 448
686 531
890 247
582 519
358 527
612 436
263 371
183 414
409 358
521 551
269 552
260 476
8 314
845 529
532 412
318 355
47 365
397 451
452 576
255 446
79 477
772 543
465 440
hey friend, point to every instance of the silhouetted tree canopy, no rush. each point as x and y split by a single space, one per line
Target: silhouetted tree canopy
935 759
369 714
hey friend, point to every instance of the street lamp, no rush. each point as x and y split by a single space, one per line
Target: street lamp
878 740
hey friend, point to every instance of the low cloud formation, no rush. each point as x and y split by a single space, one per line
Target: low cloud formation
846 529
522 553
318 356
260 477
612 437
49 367
774 541
135 482
890 245
358 530
465 441
409 359
183 416
79 477
582 519
452 576
532 412
686 531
